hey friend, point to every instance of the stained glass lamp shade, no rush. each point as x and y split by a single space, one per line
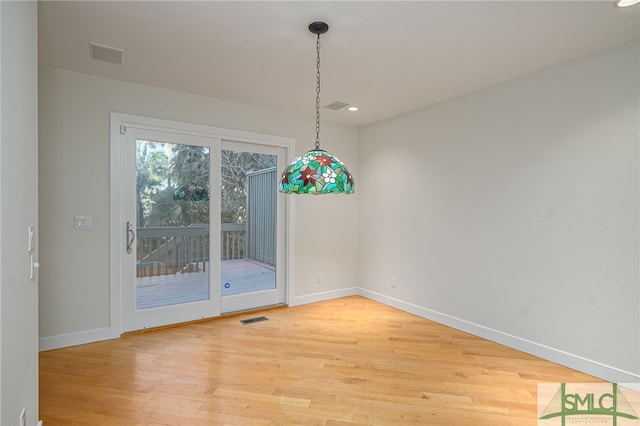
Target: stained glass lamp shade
316 172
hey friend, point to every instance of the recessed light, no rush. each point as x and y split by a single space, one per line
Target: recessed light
625 3
353 108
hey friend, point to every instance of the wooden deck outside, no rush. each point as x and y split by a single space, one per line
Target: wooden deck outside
238 276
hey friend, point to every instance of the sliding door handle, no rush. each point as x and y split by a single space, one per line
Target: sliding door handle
131 237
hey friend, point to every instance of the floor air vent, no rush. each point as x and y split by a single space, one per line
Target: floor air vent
252 320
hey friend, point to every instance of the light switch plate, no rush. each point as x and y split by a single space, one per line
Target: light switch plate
31 230
82 222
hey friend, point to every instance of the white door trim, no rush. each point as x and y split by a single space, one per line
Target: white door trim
116 208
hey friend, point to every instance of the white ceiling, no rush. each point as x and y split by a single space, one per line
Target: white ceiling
386 57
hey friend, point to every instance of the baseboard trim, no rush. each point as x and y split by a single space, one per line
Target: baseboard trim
320 297
89 336
74 339
566 359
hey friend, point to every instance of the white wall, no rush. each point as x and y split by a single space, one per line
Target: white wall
74 180
512 212
18 209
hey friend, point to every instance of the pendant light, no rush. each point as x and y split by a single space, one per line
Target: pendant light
317 171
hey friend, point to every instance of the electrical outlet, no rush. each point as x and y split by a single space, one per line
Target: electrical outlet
393 282
318 278
23 417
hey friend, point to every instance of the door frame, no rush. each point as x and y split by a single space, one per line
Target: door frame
117 237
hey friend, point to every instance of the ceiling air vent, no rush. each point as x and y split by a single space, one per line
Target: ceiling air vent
106 53
337 105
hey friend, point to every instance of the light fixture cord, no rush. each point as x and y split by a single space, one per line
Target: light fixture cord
318 93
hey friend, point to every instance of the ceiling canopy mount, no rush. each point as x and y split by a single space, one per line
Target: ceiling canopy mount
318 27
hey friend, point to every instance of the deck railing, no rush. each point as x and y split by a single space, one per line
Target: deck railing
233 241
166 250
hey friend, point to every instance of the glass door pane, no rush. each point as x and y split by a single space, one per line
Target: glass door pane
248 222
172 215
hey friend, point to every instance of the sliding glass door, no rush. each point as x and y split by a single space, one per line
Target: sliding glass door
251 272
204 227
168 245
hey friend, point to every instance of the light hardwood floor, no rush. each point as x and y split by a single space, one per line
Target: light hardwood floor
347 361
